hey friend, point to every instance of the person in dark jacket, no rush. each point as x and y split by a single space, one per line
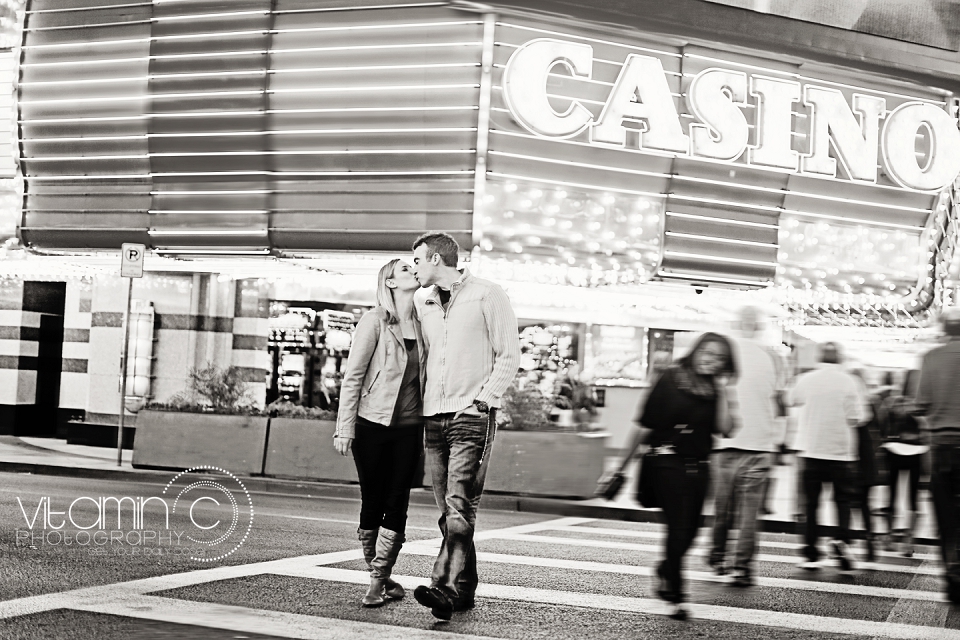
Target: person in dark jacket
685 408
904 447
380 421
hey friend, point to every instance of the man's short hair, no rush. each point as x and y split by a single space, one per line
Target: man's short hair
830 353
950 320
440 243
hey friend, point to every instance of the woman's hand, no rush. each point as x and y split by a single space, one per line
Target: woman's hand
342 445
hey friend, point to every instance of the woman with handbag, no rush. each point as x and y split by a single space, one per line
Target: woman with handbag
685 408
380 422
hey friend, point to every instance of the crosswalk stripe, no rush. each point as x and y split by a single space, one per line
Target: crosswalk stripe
757 617
242 619
624 569
628 546
913 612
659 535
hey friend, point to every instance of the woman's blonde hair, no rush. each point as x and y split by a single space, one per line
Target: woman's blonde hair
385 293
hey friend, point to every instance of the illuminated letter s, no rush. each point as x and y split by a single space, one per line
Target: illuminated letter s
713 97
525 86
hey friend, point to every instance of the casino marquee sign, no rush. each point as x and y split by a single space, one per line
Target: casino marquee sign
917 142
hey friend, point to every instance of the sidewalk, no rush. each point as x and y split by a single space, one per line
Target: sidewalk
47 456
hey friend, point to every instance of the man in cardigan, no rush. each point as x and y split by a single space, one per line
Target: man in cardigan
473 353
938 400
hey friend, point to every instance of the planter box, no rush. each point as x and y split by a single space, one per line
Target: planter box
304 449
545 463
173 440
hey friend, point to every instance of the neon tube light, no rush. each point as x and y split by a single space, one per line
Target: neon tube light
272 132
205 232
802 194
585 38
209 114
869 223
584 165
563 183
366 7
798 76
751 243
204 16
232 252
742 223
693 276
211 211
368 27
71 9
697 256
373 47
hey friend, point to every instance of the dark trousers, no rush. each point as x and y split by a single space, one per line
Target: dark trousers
846 486
896 464
681 487
387 459
945 487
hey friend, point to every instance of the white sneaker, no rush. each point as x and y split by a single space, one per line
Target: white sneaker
809 565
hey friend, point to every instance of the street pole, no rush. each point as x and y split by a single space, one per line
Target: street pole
123 371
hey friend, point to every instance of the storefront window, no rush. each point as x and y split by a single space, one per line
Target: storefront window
309 344
615 356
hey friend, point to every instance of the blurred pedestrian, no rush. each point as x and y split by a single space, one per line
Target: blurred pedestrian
904 448
380 421
938 400
867 434
831 407
743 461
687 405
473 353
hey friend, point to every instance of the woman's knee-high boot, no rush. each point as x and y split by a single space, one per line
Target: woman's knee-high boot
388 549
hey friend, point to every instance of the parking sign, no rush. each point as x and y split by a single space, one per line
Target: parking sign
131 260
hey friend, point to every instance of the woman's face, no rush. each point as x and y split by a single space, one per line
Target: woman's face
403 277
709 358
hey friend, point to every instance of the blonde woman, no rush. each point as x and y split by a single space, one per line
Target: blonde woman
380 422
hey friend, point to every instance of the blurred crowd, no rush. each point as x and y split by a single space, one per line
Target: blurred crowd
732 408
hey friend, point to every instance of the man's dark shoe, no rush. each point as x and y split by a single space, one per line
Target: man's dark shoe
464 602
437 601
741 579
953 592
719 568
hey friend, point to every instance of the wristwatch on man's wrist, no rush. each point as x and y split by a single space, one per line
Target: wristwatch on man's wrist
481 406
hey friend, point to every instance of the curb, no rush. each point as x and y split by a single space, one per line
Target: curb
419 496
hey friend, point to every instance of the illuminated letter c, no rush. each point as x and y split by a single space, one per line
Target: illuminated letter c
525 86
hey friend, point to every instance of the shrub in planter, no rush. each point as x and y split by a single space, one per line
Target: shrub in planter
212 389
287 409
526 409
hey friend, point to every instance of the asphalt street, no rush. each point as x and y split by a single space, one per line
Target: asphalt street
295 571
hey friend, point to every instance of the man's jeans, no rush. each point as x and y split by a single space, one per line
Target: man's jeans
458 452
945 487
740 478
845 480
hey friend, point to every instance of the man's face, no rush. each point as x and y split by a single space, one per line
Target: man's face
423 265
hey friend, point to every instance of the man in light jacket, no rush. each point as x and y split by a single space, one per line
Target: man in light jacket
473 352
743 462
831 406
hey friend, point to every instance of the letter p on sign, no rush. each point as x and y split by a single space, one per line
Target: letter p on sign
131 260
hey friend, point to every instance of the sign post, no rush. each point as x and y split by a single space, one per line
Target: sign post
131 266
